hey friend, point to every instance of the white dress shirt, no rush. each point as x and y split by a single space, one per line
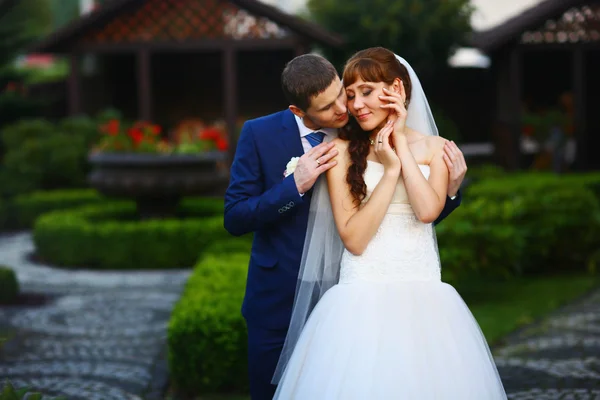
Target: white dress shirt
330 133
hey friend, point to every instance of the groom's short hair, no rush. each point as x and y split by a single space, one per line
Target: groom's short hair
306 76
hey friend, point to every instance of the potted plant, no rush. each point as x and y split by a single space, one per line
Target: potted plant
136 161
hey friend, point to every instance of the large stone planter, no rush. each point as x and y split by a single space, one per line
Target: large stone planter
155 181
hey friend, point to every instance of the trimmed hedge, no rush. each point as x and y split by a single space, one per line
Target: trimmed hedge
109 236
207 334
26 208
522 223
493 250
22 211
9 286
537 183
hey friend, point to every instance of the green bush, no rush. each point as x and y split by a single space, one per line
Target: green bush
510 186
15 106
478 239
43 155
207 334
109 236
57 161
561 228
26 208
238 245
15 135
85 127
9 286
499 187
590 180
485 171
202 206
528 222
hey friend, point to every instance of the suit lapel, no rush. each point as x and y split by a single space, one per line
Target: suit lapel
291 141
290 137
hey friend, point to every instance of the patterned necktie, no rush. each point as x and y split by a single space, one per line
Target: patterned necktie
315 138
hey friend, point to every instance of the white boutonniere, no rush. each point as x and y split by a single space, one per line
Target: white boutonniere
291 166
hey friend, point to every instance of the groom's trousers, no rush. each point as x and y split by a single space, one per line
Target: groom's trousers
264 349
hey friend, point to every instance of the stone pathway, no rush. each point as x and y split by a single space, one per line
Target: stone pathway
557 358
101 335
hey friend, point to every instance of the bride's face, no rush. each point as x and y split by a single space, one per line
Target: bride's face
364 103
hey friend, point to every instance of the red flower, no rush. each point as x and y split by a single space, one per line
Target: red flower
222 144
156 129
111 127
136 135
210 134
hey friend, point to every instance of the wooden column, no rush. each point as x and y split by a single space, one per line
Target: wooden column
516 89
579 105
230 98
144 85
506 132
74 85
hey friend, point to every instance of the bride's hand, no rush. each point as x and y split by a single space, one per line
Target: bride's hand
387 156
397 107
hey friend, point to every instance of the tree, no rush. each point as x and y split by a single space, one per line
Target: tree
424 32
64 11
21 22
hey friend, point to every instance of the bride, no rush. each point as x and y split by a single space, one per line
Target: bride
385 326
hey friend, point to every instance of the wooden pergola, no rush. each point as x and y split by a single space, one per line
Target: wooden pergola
568 26
144 27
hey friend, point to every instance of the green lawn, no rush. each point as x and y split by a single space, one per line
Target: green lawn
501 307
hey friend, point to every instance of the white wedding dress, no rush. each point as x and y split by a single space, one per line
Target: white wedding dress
391 329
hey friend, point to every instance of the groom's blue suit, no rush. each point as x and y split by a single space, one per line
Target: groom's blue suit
259 199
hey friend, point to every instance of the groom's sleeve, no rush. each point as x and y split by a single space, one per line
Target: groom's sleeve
248 207
450 206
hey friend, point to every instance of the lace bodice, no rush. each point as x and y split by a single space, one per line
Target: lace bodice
403 249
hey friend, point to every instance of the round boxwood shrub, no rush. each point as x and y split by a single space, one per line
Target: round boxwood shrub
109 236
9 286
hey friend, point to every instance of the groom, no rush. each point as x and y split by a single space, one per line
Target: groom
263 199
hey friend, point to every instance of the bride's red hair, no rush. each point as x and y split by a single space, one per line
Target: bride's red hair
375 64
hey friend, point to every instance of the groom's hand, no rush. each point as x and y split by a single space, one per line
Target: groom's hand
312 164
457 167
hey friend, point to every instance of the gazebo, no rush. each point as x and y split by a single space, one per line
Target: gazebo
171 60
549 51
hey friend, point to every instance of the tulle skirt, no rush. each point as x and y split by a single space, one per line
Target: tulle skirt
408 340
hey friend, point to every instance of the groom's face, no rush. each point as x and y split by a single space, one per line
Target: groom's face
328 108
